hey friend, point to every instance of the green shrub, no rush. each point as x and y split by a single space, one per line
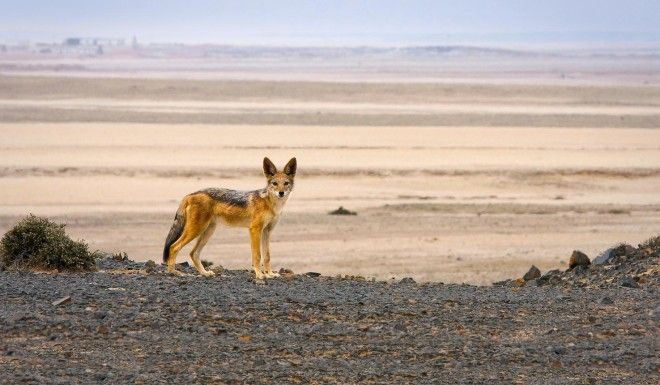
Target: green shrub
39 243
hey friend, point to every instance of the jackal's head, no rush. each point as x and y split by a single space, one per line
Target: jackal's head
280 183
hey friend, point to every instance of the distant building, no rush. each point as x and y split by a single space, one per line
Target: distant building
72 41
93 41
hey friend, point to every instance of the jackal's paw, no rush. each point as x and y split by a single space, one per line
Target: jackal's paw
259 275
175 273
207 273
272 274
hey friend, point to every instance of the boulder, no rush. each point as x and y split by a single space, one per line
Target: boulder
610 254
578 258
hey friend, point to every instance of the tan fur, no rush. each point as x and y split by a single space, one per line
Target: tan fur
260 215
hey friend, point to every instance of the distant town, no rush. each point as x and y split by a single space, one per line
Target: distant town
85 46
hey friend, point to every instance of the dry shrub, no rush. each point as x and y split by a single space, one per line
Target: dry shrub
37 243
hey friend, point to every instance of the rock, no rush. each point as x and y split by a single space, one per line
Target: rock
245 338
342 211
610 254
102 329
606 301
150 266
604 257
313 274
520 282
407 280
628 281
284 271
218 270
559 350
578 258
532 273
579 269
62 301
120 256
551 277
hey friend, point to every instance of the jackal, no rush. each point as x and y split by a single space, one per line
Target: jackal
258 210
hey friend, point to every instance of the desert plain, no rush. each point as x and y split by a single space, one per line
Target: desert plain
452 181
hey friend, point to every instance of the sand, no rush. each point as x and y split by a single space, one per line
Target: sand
451 182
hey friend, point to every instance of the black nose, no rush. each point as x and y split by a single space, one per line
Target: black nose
281 193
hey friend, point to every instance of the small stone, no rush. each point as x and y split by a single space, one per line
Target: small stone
559 350
551 277
606 301
62 301
245 338
100 314
629 282
313 274
102 329
579 269
556 364
218 270
219 331
284 271
342 211
150 266
578 258
520 282
533 273
407 280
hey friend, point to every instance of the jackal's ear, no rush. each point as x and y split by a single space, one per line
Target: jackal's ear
269 168
290 168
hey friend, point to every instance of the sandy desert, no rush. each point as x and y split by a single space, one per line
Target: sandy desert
455 181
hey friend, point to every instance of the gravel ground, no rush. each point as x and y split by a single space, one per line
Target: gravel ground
130 323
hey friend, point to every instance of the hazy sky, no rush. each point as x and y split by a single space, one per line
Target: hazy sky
331 22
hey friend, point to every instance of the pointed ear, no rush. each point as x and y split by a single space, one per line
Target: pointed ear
290 168
269 168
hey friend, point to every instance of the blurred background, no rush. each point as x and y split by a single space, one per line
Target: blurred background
472 138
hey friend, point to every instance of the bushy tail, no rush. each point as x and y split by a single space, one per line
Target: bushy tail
175 232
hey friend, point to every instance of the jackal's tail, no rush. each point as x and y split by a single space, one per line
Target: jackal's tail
175 232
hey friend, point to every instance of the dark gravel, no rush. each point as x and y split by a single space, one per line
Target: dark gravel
124 326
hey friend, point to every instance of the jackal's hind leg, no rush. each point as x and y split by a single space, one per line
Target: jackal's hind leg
197 250
194 226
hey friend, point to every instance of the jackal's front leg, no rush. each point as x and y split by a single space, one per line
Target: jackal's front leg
255 237
265 240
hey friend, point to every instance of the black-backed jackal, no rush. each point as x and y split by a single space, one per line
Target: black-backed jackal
258 210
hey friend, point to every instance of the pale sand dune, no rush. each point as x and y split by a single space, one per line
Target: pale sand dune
451 202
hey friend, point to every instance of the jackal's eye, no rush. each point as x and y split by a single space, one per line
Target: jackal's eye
286 183
274 183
